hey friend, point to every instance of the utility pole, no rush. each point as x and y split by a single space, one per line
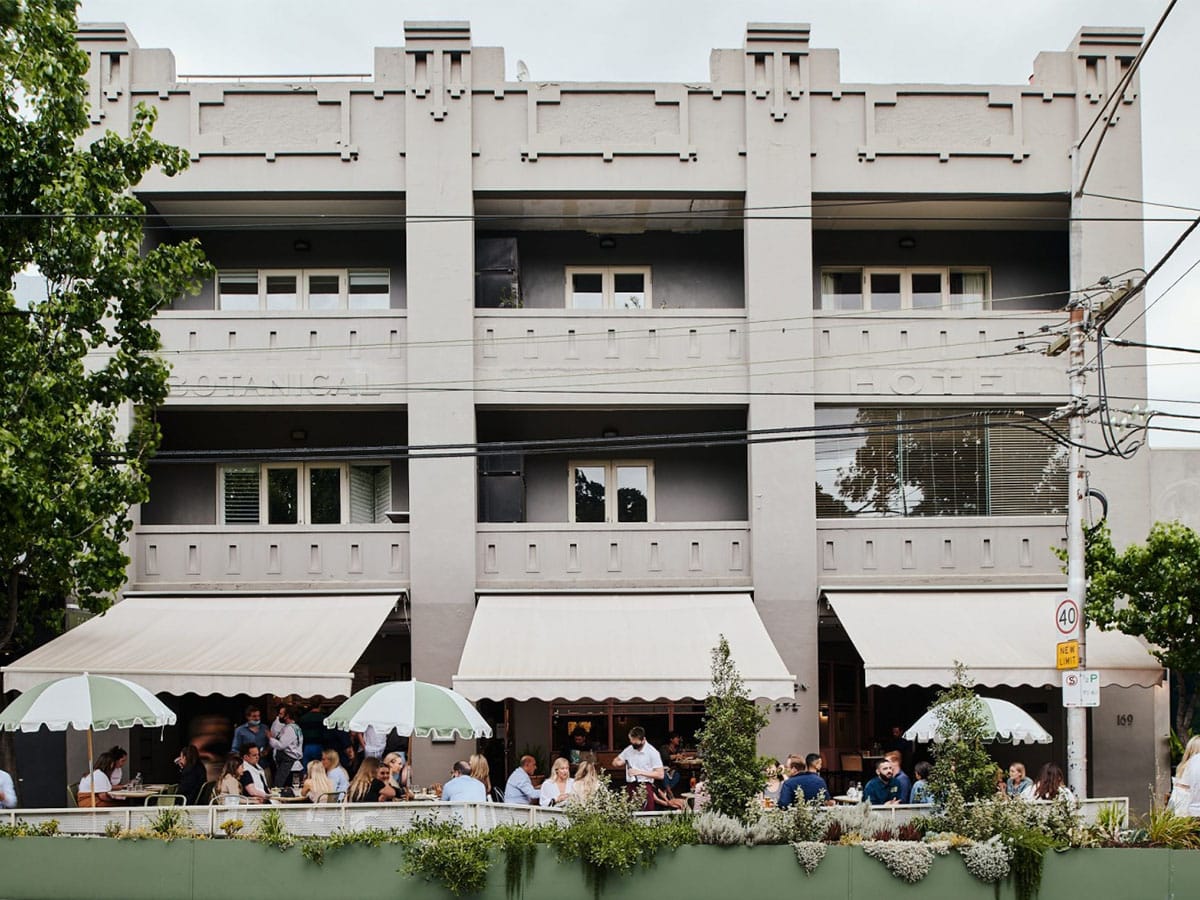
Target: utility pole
1077 485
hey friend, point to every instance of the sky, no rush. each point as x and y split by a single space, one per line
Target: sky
937 41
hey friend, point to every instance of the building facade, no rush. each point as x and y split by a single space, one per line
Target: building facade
573 371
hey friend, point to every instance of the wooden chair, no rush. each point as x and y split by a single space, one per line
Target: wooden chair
851 762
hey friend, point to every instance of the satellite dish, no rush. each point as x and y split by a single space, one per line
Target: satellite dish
522 70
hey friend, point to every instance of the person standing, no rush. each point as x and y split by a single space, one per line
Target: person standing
882 790
922 793
312 724
251 732
287 742
643 766
8 791
519 788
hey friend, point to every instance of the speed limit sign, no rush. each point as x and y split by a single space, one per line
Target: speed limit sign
1066 617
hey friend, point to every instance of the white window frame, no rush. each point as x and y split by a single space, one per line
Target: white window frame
610 467
906 292
302 292
608 285
304 513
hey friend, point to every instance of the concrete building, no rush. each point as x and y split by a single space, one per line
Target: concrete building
534 387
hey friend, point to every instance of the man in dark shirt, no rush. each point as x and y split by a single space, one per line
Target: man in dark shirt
898 775
882 789
805 782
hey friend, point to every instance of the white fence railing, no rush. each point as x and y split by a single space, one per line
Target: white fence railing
322 820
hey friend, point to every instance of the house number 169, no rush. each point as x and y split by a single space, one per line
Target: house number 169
1125 720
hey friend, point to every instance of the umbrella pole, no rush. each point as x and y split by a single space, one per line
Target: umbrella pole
91 770
408 759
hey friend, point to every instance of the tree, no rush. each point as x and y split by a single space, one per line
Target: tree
728 739
1160 580
78 367
960 760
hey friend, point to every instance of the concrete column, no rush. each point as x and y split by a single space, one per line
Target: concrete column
441 267
779 287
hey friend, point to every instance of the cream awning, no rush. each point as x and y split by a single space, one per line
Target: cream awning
229 645
1004 637
620 646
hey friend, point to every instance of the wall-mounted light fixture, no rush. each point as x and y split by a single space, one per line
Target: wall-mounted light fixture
607 242
908 242
300 245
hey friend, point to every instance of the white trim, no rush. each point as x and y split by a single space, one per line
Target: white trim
826 302
303 294
610 467
608 286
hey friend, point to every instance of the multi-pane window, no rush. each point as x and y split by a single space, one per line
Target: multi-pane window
608 287
305 493
888 461
612 491
317 290
886 289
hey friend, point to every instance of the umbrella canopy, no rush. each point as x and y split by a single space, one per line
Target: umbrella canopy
85 702
411 708
1007 722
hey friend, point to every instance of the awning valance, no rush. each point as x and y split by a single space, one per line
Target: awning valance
1004 637
620 646
229 645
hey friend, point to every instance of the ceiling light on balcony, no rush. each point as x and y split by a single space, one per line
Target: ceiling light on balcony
908 242
299 435
607 242
300 245
610 432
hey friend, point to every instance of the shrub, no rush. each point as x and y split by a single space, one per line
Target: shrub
1164 828
728 738
860 819
719 830
960 758
272 831
987 860
232 826
809 854
906 860
458 862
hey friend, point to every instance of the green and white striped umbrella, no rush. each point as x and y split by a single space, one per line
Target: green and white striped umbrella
411 708
85 702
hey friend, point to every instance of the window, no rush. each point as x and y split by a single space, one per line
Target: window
885 289
878 462
612 491
305 493
608 287
316 290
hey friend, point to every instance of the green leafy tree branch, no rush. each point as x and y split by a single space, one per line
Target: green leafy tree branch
78 366
1152 590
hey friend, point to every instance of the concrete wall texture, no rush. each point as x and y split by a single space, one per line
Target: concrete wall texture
734 193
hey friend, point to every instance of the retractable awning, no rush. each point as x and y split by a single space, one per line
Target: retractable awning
229 645
619 646
1004 637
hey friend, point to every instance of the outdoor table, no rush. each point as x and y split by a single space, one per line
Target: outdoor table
134 794
281 800
424 797
848 800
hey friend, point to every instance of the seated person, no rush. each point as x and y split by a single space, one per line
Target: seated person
254 779
192 774
805 783
519 788
318 785
556 789
94 787
665 799
400 771
1018 784
882 789
371 783
229 782
331 762
921 791
462 787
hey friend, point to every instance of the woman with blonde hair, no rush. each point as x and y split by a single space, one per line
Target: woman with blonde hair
556 790
481 771
364 782
400 771
317 786
1185 791
587 782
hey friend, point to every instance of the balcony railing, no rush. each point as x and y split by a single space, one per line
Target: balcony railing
527 349
195 556
528 555
277 358
936 549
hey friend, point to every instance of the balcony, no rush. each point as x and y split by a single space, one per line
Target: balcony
284 358
179 557
676 554
940 549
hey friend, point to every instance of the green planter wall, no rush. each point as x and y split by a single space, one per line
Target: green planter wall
99 869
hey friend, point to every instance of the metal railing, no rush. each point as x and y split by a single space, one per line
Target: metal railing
321 820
